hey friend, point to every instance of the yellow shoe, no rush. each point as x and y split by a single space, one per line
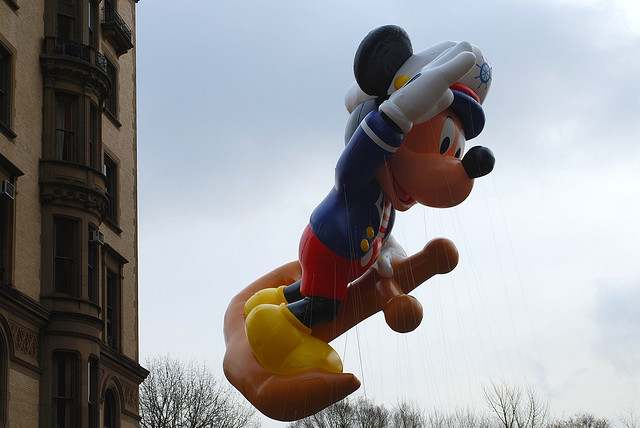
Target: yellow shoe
272 296
283 345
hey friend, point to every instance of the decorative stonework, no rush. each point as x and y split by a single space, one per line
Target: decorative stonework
25 341
73 185
130 393
127 390
63 60
84 199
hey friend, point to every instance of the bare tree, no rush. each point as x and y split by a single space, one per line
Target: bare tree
630 420
161 394
407 415
510 407
340 415
514 409
370 415
360 413
177 395
459 419
585 420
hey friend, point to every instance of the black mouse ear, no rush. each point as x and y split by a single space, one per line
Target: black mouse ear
378 58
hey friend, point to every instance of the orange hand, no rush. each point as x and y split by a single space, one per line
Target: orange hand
289 398
370 293
285 398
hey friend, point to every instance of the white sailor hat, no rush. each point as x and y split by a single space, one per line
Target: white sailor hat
385 61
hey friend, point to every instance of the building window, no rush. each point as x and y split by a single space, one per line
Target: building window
94 135
93 392
111 173
112 319
77 130
92 265
66 255
66 127
110 410
65 390
5 88
92 21
66 25
111 104
6 230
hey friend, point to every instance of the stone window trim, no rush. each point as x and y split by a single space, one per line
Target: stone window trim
66 392
111 103
93 23
94 135
68 135
112 264
9 172
83 18
111 170
13 4
111 408
93 377
7 234
113 385
8 132
9 167
7 88
84 118
80 292
114 120
73 258
112 226
83 23
93 265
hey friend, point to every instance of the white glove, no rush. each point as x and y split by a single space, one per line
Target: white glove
389 251
428 93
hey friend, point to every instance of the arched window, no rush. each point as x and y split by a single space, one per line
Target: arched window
110 410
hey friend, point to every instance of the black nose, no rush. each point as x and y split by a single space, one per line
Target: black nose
478 161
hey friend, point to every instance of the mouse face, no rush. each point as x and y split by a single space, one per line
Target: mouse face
431 166
427 168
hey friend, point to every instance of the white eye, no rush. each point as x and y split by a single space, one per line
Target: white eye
460 149
446 138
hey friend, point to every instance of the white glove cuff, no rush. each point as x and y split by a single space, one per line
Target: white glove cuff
397 116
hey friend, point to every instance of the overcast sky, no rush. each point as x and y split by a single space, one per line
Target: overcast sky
241 121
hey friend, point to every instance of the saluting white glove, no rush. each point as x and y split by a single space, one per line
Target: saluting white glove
428 93
389 251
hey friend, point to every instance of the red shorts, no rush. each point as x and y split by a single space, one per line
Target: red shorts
324 273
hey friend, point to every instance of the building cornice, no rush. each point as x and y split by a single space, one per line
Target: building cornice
123 364
10 167
19 303
115 254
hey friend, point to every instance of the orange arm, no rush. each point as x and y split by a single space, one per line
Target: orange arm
288 398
